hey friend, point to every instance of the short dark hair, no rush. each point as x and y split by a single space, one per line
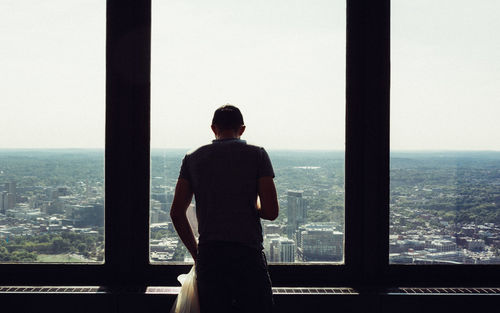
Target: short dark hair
228 117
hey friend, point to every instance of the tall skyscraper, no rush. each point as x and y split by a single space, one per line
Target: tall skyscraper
11 188
3 202
296 211
287 250
9 200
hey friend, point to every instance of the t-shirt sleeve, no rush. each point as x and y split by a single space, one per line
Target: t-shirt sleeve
265 166
184 173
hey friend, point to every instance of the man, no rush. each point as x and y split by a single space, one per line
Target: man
233 185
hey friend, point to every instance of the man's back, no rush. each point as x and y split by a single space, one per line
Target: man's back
224 178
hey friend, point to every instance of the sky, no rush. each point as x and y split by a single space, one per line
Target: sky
282 62
445 75
52 73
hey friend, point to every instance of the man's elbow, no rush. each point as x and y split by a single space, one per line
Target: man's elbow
273 217
270 215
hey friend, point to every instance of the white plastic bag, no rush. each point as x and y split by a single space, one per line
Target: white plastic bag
187 299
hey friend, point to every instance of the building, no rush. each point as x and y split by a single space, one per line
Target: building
296 211
9 201
443 245
157 215
323 244
87 215
280 249
3 206
8 197
287 250
11 188
475 244
164 198
271 228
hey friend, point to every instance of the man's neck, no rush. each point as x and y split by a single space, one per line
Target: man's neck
227 138
227 135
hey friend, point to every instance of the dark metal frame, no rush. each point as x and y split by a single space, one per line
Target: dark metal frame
127 170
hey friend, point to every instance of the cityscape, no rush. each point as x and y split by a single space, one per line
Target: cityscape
444 207
310 226
52 206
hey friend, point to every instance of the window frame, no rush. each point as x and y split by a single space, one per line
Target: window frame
127 170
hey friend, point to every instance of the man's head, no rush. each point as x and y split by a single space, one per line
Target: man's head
228 122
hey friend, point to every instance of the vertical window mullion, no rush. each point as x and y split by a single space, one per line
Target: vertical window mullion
127 138
367 151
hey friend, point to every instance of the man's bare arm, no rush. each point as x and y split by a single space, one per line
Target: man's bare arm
182 199
268 207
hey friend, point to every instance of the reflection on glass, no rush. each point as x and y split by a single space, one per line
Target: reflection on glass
445 137
283 64
51 144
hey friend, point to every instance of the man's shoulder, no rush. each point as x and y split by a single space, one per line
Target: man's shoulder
259 150
250 147
218 146
254 146
199 150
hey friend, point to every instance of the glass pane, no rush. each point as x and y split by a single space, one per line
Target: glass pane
283 64
52 143
445 135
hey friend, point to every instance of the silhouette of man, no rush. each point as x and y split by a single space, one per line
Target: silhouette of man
233 186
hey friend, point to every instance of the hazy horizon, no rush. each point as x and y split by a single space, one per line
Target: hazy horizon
185 149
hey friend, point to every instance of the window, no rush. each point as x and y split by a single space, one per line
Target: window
127 169
52 157
283 65
445 160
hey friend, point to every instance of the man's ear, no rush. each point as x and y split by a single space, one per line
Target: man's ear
241 130
214 129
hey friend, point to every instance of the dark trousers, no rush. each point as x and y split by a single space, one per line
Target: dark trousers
232 278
